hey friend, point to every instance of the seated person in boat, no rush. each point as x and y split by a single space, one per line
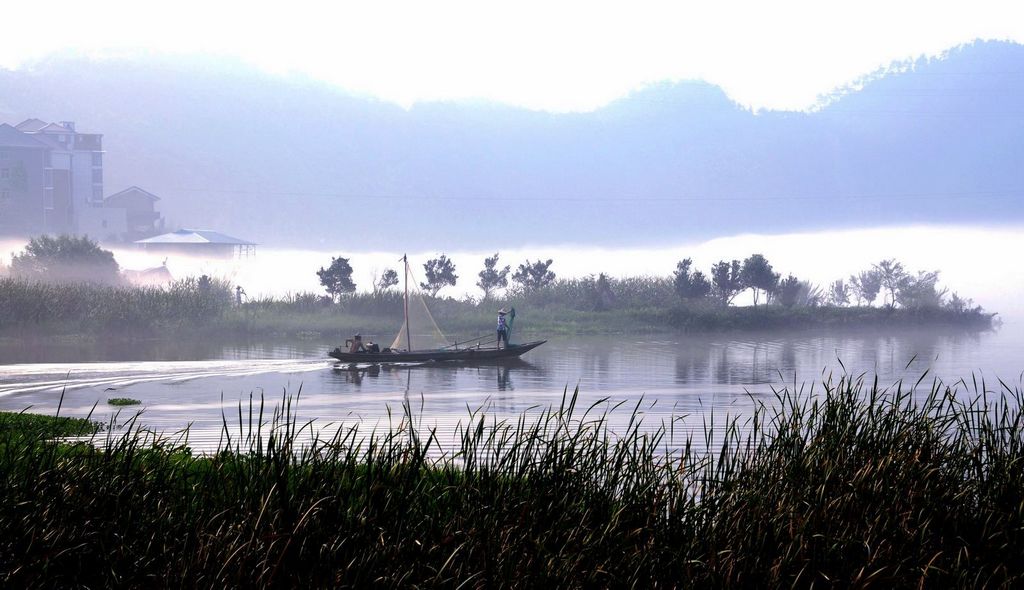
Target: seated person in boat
357 344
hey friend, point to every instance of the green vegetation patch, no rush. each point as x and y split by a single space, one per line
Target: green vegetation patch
123 401
871 486
886 295
25 424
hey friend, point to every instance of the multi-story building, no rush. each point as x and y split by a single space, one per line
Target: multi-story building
23 182
59 187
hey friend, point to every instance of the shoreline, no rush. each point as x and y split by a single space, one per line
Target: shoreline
238 325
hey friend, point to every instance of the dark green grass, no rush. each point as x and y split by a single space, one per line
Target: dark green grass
847 485
47 427
123 401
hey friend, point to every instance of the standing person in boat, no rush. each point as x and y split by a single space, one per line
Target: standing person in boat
502 327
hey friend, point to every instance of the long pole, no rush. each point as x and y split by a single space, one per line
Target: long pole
408 335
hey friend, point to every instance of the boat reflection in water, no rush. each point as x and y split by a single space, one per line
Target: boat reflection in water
440 372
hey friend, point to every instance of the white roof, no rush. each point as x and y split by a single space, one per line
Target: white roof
195 236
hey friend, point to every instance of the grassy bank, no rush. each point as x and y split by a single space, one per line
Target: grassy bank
855 486
468 320
567 307
36 426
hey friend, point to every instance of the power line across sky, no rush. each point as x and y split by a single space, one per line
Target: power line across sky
952 195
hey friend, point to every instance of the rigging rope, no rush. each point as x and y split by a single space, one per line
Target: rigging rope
435 337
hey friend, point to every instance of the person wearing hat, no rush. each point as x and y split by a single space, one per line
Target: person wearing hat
502 327
357 344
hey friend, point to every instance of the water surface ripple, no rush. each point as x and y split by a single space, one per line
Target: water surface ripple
694 379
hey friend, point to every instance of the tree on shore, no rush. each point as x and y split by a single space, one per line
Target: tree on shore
866 285
891 275
962 304
757 274
839 293
65 259
793 292
388 279
726 281
492 279
534 275
788 291
440 273
921 291
690 284
337 278
604 296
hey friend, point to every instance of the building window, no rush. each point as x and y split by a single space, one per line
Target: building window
97 175
5 195
47 159
5 172
97 159
97 193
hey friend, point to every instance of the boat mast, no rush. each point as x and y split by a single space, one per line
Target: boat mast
408 336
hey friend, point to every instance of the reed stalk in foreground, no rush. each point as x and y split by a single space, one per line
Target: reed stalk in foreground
850 484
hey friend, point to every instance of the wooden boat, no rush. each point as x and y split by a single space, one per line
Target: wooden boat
453 353
440 355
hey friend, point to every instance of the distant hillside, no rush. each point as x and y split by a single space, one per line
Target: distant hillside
288 161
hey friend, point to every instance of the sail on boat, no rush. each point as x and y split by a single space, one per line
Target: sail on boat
419 324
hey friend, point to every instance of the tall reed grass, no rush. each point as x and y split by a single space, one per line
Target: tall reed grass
851 484
86 306
588 305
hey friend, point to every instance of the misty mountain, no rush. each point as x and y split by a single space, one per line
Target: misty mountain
285 160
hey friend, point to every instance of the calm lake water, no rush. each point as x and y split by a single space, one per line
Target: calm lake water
693 377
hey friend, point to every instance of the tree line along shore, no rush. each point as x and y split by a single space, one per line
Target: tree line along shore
69 285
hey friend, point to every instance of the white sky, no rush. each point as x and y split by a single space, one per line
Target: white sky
573 55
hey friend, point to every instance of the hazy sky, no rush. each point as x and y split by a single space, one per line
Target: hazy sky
573 55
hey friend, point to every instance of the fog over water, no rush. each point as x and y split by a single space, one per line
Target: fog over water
193 383
975 262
